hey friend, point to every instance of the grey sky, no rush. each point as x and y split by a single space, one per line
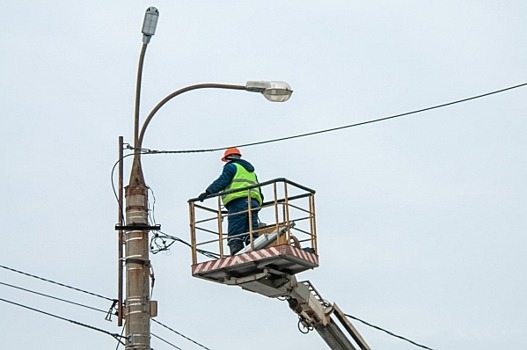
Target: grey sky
421 220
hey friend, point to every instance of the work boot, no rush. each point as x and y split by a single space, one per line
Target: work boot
236 246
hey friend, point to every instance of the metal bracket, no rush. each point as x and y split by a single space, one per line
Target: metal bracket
137 227
251 278
145 263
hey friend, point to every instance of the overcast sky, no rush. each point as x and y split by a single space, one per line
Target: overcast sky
421 220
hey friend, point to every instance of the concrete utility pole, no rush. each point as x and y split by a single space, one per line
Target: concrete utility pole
138 308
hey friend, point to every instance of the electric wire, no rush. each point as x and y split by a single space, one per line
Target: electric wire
28 274
160 247
122 331
442 105
53 297
112 175
165 341
181 335
388 332
113 172
161 235
57 283
157 235
158 322
117 336
152 212
147 151
114 335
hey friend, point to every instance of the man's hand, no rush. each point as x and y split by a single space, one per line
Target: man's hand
202 196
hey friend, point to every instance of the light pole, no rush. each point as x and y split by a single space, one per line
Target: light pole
138 307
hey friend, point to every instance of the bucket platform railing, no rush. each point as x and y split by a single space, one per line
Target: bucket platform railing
287 220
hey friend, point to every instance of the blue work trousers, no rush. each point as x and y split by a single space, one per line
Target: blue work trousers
239 219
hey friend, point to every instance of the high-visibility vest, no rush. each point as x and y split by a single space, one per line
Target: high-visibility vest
241 179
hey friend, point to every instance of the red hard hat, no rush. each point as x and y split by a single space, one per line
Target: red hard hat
229 152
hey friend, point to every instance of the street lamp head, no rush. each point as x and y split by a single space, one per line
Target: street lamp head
274 91
150 23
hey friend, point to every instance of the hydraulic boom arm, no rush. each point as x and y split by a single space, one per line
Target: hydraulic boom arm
316 313
313 311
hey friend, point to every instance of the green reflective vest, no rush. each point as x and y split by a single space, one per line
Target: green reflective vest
241 179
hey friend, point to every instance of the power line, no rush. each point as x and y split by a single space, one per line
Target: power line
163 340
113 172
119 343
147 151
114 335
57 283
442 105
388 332
52 297
181 335
84 291
151 151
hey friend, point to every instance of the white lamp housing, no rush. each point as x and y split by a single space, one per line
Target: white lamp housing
150 23
275 91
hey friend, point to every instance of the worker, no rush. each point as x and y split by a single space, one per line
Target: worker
237 173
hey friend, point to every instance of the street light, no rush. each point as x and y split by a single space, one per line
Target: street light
138 307
275 91
148 30
150 24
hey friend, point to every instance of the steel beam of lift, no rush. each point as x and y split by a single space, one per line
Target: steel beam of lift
313 311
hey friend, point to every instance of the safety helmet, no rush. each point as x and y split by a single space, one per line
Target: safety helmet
229 152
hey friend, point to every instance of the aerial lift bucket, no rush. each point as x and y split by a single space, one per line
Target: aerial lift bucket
286 245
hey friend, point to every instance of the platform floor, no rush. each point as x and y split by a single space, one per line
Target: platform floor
284 258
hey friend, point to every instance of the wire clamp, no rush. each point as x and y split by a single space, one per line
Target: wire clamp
112 310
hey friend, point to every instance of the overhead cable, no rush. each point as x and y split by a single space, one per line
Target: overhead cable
119 343
388 332
442 105
165 341
181 335
117 336
57 283
147 151
53 297
114 335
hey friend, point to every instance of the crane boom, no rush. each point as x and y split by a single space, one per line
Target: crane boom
313 311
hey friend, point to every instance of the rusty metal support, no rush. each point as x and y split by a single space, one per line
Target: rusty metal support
313 222
120 239
286 213
276 215
250 217
192 215
220 228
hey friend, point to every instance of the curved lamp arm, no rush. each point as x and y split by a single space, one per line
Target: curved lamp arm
273 91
